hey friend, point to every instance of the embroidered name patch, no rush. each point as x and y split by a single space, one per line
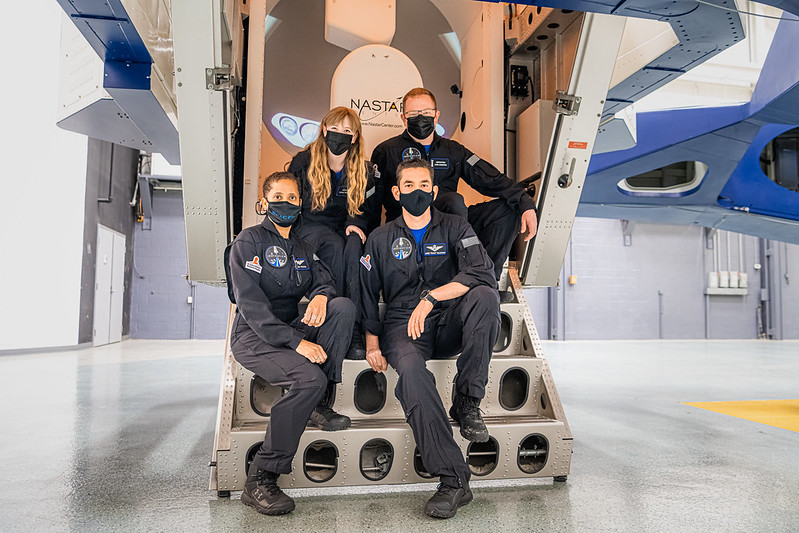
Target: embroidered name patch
401 248
435 248
439 163
366 261
301 263
411 153
253 265
276 256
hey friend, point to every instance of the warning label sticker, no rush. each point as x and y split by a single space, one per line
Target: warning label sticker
579 145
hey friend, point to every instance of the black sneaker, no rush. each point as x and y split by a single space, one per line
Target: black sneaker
446 500
357 351
327 419
262 493
465 411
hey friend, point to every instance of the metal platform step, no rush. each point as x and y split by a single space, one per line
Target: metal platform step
372 452
514 387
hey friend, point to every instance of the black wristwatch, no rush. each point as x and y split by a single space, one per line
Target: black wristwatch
429 297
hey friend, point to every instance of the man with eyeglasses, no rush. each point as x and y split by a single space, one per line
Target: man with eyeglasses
496 222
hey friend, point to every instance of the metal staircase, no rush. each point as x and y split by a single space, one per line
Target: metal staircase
529 433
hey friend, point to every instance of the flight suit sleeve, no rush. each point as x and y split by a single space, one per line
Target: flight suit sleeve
322 280
253 303
371 283
475 268
299 167
486 179
372 207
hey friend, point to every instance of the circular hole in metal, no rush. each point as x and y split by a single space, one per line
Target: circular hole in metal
320 461
513 387
532 48
542 37
553 25
263 395
251 455
533 451
538 10
463 121
530 17
543 402
377 456
483 457
505 332
418 465
370 392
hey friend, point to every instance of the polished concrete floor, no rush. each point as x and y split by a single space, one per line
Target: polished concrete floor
118 439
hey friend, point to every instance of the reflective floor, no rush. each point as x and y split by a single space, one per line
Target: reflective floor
118 438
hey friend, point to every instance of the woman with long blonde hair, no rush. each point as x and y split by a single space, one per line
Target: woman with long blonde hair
341 202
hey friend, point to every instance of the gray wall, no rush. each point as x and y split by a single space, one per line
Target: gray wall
119 171
790 291
159 308
616 294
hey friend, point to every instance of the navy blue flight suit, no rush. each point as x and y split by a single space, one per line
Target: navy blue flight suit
267 276
450 251
496 223
324 229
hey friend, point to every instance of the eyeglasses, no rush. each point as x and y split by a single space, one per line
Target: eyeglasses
423 112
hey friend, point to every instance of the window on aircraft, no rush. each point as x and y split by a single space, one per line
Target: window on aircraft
677 179
780 160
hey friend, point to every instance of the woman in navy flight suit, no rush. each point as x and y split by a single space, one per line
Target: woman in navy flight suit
341 202
269 269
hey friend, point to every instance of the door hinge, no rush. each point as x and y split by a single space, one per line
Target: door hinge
566 104
218 79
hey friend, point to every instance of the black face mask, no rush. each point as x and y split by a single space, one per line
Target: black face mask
420 126
416 202
283 213
338 143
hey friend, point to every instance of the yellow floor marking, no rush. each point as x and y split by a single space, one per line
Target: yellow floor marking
778 413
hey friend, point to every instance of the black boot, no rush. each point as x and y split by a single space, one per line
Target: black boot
357 351
262 493
447 499
465 411
324 417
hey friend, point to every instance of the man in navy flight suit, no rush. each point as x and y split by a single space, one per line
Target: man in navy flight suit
498 222
440 291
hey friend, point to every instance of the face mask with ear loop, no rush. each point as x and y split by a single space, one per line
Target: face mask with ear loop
281 213
337 142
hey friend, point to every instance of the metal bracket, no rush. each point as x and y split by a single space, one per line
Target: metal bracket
566 104
146 192
627 231
218 79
